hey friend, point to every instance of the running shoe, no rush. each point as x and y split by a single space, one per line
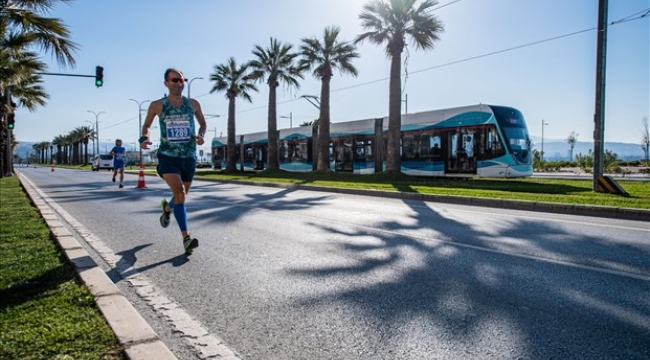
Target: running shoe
164 217
113 178
121 186
190 243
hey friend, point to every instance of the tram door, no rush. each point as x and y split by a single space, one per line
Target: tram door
343 155
258 156
460 152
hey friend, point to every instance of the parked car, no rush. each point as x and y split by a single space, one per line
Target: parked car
102 162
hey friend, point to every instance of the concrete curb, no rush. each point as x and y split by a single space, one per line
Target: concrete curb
139 340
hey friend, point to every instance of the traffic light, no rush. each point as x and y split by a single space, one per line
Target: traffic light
11 121
99 76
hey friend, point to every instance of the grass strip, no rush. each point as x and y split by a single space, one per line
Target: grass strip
45 311
565 191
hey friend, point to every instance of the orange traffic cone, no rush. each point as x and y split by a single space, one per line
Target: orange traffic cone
141 178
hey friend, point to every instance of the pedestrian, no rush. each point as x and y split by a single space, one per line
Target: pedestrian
119 156
177 149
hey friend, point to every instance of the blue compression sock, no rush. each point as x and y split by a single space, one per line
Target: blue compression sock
180 213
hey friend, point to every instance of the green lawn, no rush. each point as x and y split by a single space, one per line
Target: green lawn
45 312
531 189
566 191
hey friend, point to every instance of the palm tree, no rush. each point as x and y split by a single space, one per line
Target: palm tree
58 141
77 136
323 58
46 147
87 133
275 64
571 140
389 22
235 81
23 26
37 149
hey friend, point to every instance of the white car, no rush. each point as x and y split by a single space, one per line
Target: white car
102 162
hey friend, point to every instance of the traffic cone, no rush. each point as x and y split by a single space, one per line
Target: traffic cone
141 178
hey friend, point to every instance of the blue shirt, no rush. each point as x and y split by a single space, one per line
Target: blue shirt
118 153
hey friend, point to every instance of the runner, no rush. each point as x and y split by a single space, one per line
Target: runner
118 152
177 150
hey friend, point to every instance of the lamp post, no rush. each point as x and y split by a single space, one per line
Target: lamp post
406 101
290 117
208 116
97 126
542 154
140 121
189 85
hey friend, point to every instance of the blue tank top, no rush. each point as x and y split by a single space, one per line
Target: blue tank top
176 130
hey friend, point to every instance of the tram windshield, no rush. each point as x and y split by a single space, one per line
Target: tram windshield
513 127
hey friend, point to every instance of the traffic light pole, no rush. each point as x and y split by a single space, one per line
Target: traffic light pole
99 75
7 163
60 74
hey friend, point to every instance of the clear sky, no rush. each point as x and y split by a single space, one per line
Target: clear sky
551 81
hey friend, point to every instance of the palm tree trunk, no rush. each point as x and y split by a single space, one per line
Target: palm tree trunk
393 160
231 161
324 126
272 156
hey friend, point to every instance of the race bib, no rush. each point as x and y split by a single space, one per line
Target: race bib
178 128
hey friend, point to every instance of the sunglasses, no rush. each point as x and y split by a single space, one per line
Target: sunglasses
177 80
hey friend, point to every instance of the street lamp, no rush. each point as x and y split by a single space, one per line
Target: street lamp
189 85
140 121
97 125
208 116
542 154
290 117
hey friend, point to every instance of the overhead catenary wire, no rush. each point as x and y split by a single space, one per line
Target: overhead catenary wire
636 16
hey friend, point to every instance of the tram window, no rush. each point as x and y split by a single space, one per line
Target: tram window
409 148
435 148
363 150
302 151
493 145
517 137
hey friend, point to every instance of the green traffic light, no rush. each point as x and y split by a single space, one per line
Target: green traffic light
99 83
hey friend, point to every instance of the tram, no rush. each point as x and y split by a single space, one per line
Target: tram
477 140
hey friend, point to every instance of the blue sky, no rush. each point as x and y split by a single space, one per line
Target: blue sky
553 81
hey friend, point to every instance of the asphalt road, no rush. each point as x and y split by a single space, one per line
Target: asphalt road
294 274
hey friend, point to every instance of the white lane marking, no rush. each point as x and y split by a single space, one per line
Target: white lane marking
206 344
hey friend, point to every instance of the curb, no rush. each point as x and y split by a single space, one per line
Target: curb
139 340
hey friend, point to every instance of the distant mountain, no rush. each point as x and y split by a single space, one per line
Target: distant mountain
559 149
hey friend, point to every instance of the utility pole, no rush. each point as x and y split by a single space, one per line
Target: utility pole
599 116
